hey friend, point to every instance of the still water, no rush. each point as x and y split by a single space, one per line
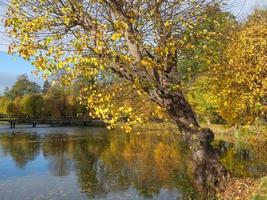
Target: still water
93 163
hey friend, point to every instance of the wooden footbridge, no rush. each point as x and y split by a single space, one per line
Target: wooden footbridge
63 121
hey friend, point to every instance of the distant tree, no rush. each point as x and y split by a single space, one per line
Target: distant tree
13 107
58 101
4 102
32 105
6 90
23 86
10 108
46 86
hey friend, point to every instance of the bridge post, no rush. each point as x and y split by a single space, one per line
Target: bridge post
52 123
34 123
12 123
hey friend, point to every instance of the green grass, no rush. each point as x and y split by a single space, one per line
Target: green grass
251 133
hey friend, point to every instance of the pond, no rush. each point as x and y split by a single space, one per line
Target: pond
93 163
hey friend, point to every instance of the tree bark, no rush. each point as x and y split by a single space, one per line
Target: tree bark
209 174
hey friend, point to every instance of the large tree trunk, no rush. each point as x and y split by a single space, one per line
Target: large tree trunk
209 174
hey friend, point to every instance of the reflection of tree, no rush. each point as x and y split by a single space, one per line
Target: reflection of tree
149 163
110 162
89 167
63 149
243 159
21 147
58 148
115 162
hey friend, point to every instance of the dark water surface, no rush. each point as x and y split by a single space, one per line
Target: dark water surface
93 163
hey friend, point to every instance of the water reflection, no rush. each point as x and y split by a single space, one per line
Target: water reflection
150 165
21 147
244 160
115 165
56 149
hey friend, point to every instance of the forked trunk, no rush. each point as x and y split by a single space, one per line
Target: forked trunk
209 174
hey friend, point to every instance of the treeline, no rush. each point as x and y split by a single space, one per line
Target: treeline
27 98
232 84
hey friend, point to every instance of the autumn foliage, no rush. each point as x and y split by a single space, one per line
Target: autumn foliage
240 79
149 50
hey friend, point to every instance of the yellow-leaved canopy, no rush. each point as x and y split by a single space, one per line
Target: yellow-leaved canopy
139 41
240 80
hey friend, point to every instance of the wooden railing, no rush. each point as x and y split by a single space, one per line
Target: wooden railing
66 120
6 117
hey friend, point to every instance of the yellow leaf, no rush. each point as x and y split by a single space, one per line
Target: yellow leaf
116 36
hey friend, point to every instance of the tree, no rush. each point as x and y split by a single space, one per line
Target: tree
200 55
4 102
61 101
140 41
201 52
203 100
32 105
240 79
46 86
23 86
13 107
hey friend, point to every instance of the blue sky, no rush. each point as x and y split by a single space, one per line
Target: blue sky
12 66
241 8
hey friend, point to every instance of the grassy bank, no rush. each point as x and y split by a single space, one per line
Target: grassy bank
255 133
243 188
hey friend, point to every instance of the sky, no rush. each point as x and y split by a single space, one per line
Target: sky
242 8
12 66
